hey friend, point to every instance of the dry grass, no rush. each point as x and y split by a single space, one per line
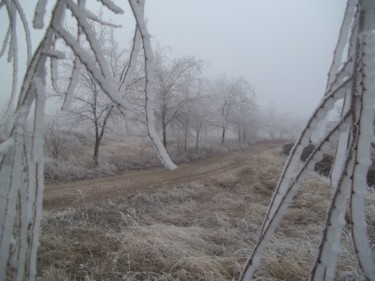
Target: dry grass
132 153
75 162
196 231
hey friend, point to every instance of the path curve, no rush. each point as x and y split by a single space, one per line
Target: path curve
130 183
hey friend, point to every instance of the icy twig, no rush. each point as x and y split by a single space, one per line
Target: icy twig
5 41
26 29
97 19
345 30
39 14
128 70
112 6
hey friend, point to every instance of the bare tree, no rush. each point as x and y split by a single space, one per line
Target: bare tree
243 112
182 123
199 118
194 114
90 104
94 108
56 136
174 85
270 120
276 124
235 102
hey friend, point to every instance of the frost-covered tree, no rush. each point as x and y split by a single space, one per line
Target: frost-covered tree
351 78
175 88
200 118
276 124
243 112
194 115
56 136
234 100
21 154
90 104
270 120
95 109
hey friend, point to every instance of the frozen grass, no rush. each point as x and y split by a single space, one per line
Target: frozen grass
75 163
131 153
197 231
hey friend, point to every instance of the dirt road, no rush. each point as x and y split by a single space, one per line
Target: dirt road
129 183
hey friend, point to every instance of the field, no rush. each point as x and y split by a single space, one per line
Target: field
197 223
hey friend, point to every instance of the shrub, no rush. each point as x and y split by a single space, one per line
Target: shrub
371 175
323 167
307 152
287 148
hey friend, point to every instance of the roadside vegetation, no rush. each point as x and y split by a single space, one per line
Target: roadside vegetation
202 230
120 154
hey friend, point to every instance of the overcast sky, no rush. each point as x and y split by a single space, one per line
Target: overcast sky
282 47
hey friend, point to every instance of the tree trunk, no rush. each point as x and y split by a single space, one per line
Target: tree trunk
223 135
197 141
99 135
164 127
244 135
185 140
95 157
164 121
164 135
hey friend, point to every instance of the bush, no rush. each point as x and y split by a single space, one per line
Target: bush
323 167
371 175
65 171
307 152
287 148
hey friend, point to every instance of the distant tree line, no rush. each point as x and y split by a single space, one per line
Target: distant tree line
188 105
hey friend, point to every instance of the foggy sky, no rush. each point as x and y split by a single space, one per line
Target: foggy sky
283 48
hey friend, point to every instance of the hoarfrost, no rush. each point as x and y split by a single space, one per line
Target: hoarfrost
353 81
21 154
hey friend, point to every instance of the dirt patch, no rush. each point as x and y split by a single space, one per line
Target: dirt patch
127 184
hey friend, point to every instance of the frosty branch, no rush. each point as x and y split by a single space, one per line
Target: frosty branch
354 81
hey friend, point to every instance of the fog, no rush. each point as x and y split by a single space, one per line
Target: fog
283 48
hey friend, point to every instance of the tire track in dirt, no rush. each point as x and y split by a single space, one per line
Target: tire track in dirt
150 180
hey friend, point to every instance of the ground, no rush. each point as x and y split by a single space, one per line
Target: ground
199 222
132 182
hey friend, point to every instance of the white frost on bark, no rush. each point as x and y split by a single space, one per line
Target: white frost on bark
138 11
344 35
21 154
129 69
353 81
286 197
39 14
112 6
365 127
